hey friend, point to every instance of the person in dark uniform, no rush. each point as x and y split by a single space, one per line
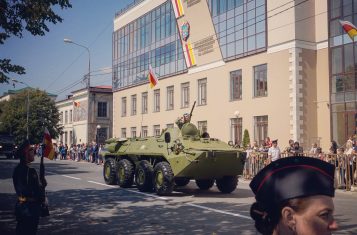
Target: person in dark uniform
29 191
294 196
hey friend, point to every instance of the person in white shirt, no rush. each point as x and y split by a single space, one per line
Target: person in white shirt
274 151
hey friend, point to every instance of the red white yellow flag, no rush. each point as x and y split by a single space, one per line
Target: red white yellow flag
48 151
178 8
349 28
152 78
189 55
76 104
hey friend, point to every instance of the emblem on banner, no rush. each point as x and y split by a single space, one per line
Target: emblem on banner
185 31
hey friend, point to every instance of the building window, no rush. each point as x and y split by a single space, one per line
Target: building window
157 100
65 117
202 126
70 116
144 102
202 91
71 137
61 117
236 131
66 137
157 131
133 105
260 128
260 80
152 37
102 135
123 132
185 95
170 98
133 132
123 106
240 26
236 85
170 125
102 109
144 131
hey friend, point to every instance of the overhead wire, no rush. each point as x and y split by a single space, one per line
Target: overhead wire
61 74
235 25
75 60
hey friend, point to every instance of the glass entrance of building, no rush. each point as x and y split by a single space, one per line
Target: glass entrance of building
344 125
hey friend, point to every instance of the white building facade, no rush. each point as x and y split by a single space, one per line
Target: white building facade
83 121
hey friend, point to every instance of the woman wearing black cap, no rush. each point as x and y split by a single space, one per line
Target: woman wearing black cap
294 196
29 192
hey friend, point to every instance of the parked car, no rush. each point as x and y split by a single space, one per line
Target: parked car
7 145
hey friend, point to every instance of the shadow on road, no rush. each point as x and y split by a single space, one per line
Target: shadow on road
59 168
115 211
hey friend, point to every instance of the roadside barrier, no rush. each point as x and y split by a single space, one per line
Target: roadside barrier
345 164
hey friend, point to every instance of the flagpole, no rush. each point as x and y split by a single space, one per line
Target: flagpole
42 165
142 113
147 90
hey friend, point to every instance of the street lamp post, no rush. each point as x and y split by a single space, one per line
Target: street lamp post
66 40
97 135
27 107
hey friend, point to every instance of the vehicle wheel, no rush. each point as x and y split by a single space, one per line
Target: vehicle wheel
109 171
227 184
125 173
182 181
163 178
143 176
205 184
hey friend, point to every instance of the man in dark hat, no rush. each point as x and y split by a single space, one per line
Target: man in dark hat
294 196
29 191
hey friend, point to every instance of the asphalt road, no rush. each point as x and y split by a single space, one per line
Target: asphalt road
81 203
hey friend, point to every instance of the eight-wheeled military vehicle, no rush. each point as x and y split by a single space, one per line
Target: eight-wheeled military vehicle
174 158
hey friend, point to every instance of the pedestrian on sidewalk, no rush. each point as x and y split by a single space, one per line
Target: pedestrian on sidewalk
274 151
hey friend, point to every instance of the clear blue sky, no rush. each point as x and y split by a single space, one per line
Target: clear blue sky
53 65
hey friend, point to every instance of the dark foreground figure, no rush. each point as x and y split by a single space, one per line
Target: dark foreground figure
29 190
294 196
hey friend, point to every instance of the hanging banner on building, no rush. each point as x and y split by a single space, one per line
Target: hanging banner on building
178 8
189 55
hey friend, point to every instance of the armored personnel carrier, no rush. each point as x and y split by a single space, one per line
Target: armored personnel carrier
174 158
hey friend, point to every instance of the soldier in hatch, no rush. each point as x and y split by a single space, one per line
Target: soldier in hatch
186 118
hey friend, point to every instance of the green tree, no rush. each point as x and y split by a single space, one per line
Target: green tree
42 113
31 15
246 139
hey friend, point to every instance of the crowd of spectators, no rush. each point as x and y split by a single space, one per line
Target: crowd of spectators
77 152
343 157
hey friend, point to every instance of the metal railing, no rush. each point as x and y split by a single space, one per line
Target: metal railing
345 167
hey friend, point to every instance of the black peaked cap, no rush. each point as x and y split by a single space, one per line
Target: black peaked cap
293 177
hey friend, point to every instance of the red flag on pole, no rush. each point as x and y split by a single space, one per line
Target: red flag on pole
349 28
48 151
152 78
